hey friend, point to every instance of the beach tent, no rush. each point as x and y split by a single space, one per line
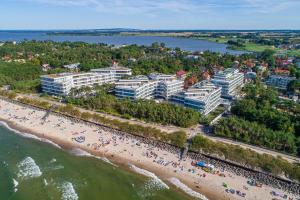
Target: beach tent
210 166
201 164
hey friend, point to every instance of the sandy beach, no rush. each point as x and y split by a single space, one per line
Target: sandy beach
129 151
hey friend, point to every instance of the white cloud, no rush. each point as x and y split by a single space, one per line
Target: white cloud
271 6
133 6
149 7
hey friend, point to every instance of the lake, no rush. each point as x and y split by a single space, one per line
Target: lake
186 44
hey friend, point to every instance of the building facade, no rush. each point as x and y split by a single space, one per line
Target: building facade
117 71
203 97
280 82
230 80
162 86
61 84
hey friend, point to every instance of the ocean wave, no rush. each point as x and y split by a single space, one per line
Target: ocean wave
80 152
57 167
16 183
45 182
28 135
28 169
4 163
68 191
186 189
154 181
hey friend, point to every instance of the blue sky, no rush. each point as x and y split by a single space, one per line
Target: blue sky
150 14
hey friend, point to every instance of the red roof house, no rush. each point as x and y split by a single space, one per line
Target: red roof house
181 74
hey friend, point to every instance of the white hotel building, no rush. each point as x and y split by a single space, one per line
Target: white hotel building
203 97
159 85
230 80
61 84
116 71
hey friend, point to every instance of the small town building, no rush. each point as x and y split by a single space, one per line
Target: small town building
181 74
279 82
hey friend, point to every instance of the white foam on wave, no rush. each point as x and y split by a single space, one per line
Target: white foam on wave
16 183
186 189
45 182
57 167
28 135
4 163
28 169
68 191
80 152
154 181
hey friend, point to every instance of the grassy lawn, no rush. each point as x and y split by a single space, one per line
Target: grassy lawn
257 47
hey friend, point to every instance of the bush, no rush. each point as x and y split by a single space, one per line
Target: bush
257 134
86 115
246 157
150 111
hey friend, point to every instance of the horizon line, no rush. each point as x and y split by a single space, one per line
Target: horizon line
137 29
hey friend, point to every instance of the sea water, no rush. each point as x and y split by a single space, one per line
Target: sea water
33 169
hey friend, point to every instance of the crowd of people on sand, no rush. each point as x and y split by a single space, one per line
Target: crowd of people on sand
263 178
150 145
290 187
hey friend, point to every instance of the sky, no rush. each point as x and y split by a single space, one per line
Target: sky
149 14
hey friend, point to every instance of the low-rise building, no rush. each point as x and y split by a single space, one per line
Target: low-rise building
230 80
73 66
46 67
203 97
250 76
181 74
279 82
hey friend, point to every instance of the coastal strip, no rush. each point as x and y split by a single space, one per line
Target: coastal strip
154 156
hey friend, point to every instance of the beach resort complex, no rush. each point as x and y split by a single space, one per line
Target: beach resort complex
183 100
203 96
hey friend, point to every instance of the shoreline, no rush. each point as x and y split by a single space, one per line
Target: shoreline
123 153
114 160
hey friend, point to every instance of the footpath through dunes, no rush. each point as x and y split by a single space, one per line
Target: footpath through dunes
158 157
191 132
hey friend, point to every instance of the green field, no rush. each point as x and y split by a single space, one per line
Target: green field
249 46
254 47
